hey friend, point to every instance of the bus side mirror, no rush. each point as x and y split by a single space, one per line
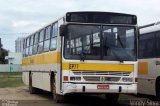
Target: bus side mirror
63 30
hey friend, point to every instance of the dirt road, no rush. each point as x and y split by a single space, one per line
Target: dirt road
20 96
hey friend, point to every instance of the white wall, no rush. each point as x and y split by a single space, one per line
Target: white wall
16 58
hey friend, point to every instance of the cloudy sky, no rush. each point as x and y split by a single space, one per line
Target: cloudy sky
21 17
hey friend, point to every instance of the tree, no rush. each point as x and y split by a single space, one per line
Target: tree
3 54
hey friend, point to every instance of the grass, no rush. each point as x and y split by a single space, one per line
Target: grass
10 79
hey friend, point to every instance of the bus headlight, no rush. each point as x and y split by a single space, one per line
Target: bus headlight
127 79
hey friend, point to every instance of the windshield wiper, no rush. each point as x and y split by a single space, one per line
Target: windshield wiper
119 39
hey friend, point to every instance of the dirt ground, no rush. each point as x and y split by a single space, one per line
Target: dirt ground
18 93
20 96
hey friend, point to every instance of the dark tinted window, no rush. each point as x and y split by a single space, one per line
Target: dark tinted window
147 46
158 43
101 17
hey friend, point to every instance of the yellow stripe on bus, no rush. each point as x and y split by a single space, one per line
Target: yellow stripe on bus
98 67
142 68
45 58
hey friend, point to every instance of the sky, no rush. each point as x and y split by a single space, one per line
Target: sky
18 18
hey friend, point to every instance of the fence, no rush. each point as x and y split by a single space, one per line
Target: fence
10 68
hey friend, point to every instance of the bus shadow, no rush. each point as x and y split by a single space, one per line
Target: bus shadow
149 97
81 100
91 100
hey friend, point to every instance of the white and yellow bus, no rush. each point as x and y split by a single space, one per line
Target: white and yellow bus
83 52
149 60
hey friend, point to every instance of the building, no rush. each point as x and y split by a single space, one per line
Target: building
14 63
19 45
14 58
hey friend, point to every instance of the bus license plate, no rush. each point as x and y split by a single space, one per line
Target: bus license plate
102 86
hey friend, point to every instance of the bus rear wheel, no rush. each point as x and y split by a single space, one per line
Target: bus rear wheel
112 98
158 90
56 97
32 90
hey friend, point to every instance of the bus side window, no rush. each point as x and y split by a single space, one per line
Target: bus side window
46 45
48 33
47 39
26 52
53 44
30 50
41 39
34 49
24 47
32 39
28 41
147 46
41 35
36 38
54 30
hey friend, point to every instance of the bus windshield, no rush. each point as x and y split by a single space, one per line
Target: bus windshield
95 42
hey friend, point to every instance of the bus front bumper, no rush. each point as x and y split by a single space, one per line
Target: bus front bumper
99 88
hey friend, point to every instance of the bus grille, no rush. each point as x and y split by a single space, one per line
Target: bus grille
101 73
101 79
89 78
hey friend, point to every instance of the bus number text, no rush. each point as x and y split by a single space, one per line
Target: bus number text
73 66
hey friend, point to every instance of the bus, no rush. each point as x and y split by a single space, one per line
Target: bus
149 60
83 53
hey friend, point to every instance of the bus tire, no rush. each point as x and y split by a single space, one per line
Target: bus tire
32 90
158 89
56 97
112 98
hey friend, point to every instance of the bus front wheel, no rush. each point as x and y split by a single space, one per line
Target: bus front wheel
158 89
56 97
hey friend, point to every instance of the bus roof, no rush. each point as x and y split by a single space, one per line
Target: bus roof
150 28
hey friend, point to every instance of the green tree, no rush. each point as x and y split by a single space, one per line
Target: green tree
3 54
